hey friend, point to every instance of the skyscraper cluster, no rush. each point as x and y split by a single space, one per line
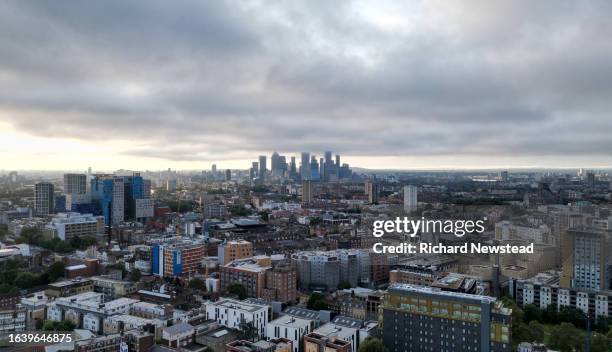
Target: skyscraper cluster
326 169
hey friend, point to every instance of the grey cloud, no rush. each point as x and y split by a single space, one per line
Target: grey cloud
193 80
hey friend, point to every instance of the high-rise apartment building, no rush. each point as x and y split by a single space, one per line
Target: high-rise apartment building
75 184
587 259
307 191
181 258
410 198
419 318
325 271
44 198
372 192
281 283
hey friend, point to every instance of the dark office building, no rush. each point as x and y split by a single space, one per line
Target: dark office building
420 318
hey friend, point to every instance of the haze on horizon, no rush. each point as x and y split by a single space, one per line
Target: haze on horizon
387 84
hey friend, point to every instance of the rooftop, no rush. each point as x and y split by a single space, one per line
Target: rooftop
397 287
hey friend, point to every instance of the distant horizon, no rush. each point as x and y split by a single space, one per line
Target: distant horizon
359 168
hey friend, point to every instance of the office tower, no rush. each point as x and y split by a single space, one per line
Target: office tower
228 175
254 172
420 318
233 250
590 176
305 166
307 192
282 165
338 165
120 197
262 168
503 176
44 198
371 189
314 169
321 169
410 198
102 194
328 166
75 183
292 167
60 204
275 163
587 259
214 168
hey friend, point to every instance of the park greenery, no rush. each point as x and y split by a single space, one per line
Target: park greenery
13 277
562 330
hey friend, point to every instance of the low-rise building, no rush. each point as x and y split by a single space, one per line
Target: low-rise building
291 328
230 313
67 288
314 342
113 288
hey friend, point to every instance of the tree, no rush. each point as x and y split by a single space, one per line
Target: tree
344 285
238 290
372 344
573 315
64 325
518 330
600 343
25 280
135 275
550 315
247 331
320 305
566 338
239 210
537 331
531 312
30 236
314 297
197 284
265 216
6 288
56 271
314 221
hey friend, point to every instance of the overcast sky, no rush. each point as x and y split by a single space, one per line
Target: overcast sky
388 84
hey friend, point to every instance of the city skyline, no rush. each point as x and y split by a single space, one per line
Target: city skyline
421 85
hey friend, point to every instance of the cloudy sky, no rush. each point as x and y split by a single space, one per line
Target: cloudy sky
388 84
